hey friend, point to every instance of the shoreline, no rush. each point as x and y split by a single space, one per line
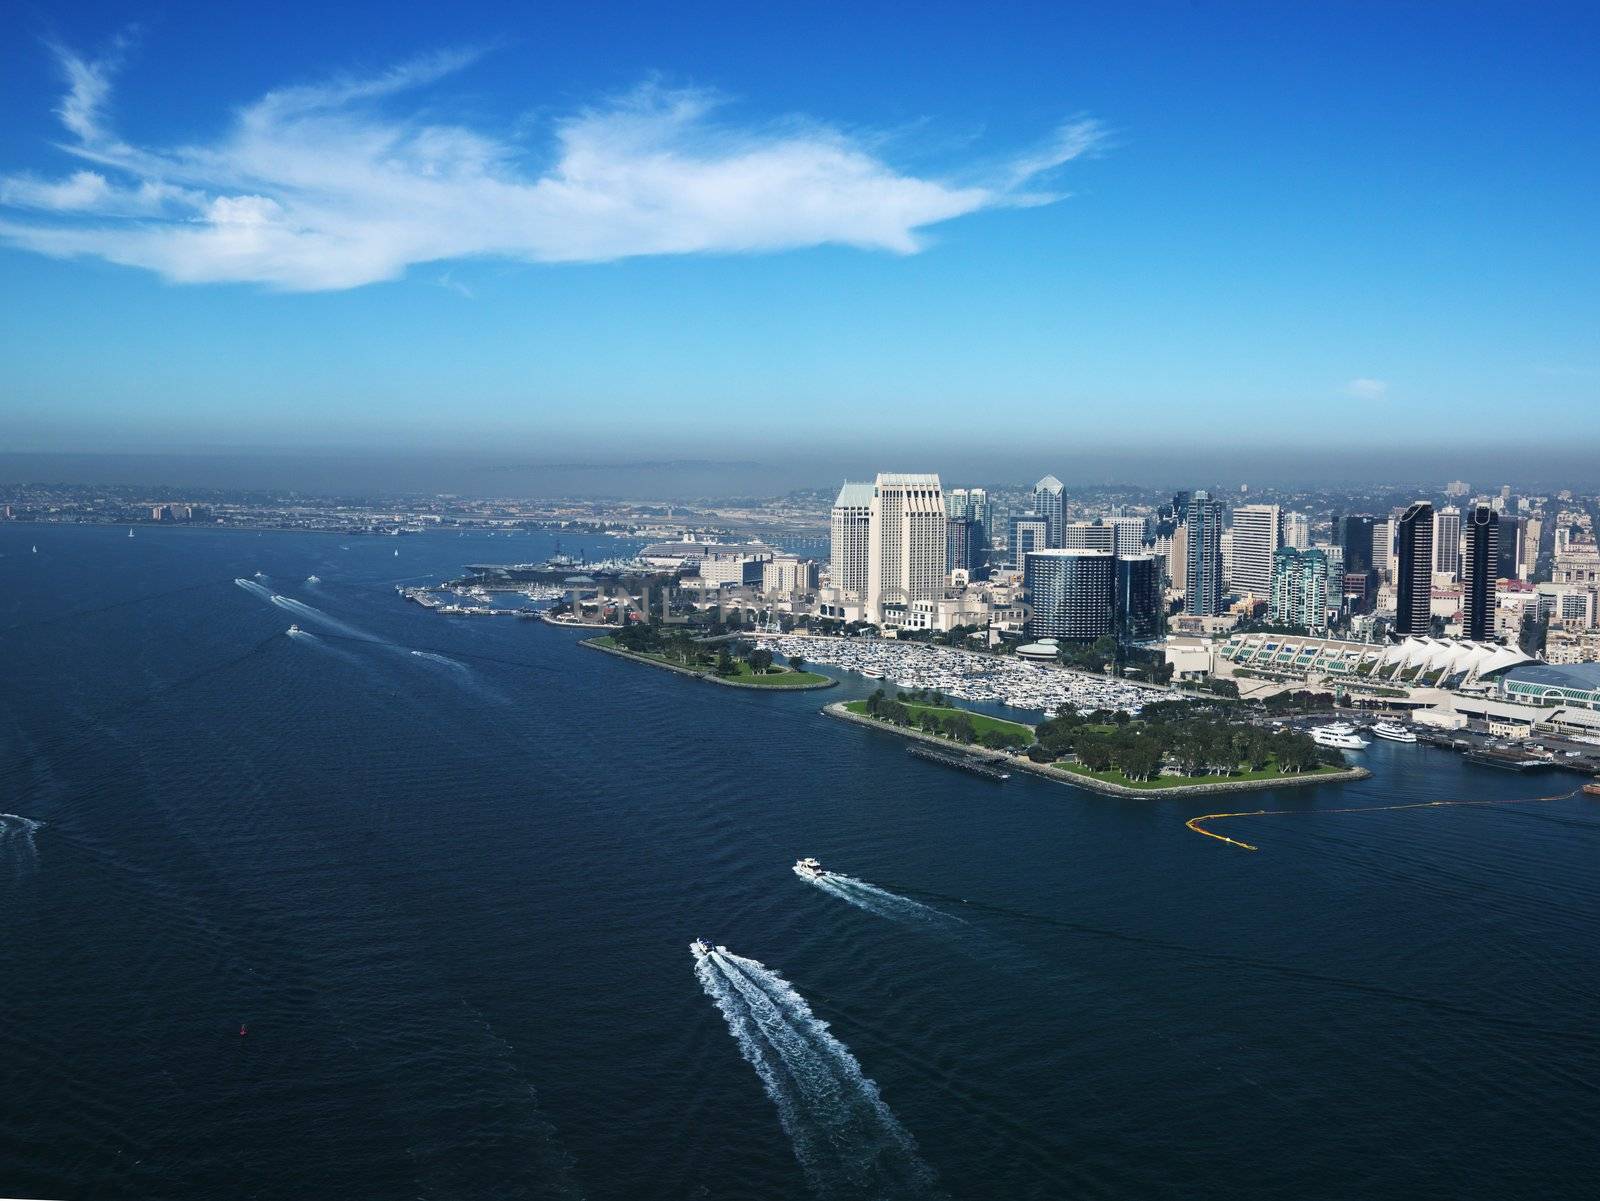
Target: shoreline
1093 784
593 644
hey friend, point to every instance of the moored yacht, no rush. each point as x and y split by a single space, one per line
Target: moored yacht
810 869
1340 735
1393 732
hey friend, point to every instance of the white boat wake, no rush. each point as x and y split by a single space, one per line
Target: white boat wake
845 1137
880 901
18 853
443 661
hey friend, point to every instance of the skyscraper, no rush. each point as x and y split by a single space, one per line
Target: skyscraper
1137 603
1255 542
1069 593
850 529
1414 571
1050 503
907 546
1026 532
1130 534
1296 530
1509 566
1447 541
1203 552
1087 535
964 550
1479 567
1299 589
1354 532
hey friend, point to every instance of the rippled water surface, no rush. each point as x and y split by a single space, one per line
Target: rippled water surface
444 873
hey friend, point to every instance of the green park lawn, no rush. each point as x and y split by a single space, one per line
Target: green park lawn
981 723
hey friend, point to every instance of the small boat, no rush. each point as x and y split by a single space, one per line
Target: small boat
35 550
311 579
243 1029
1393 731
701 948
261 575
130 533
294 629
1593 787
872 673
810 869
397 552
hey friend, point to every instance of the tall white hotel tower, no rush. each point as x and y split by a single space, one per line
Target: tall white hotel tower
906 542
851 528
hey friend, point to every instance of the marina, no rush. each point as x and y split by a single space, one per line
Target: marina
1038 687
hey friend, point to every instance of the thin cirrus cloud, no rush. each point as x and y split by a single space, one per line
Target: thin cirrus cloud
1365 388
325 186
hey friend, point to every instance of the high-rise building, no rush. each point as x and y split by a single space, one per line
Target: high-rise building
1255 541
1354 533
1178 559
1026 532
1049 501
1137 603
1069 593
1087 535
1509 564
957 504
851 529
1383 536
1129 535
1447 541
1203 556
1532 532
1414 571
1299 589
964 548
979 509
907 547
1456 488
1478 571
1296 530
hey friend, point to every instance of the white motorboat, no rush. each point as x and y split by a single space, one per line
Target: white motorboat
311 579
1343 738
294 629
1393 732
701 948
810 869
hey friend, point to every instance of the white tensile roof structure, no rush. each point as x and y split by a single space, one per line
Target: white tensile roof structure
1438 662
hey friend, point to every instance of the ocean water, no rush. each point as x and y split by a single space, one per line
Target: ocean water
444 873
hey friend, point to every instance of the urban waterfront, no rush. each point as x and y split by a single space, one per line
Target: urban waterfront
402 907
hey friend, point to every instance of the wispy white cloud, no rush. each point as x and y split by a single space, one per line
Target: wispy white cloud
324 186
1367 389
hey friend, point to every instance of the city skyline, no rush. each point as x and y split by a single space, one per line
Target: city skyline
1066 215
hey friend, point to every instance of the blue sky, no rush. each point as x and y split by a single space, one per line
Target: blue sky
699 227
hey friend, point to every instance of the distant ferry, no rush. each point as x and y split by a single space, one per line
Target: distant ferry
1340 734
810 869
1393 732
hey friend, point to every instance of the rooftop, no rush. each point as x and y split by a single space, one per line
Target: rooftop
1557 675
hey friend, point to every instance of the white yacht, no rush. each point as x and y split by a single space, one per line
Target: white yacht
1340 734
701 948
1393 732
810 869
294 629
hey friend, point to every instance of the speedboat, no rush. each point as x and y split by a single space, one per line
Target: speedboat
1334 736
810 869
701 948
294 629
311 579
1393 732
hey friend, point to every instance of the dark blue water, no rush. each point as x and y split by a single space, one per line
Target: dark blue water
450 898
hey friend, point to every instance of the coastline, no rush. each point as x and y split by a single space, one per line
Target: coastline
1092 783
711 677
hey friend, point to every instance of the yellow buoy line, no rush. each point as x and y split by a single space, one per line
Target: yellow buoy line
1197 824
